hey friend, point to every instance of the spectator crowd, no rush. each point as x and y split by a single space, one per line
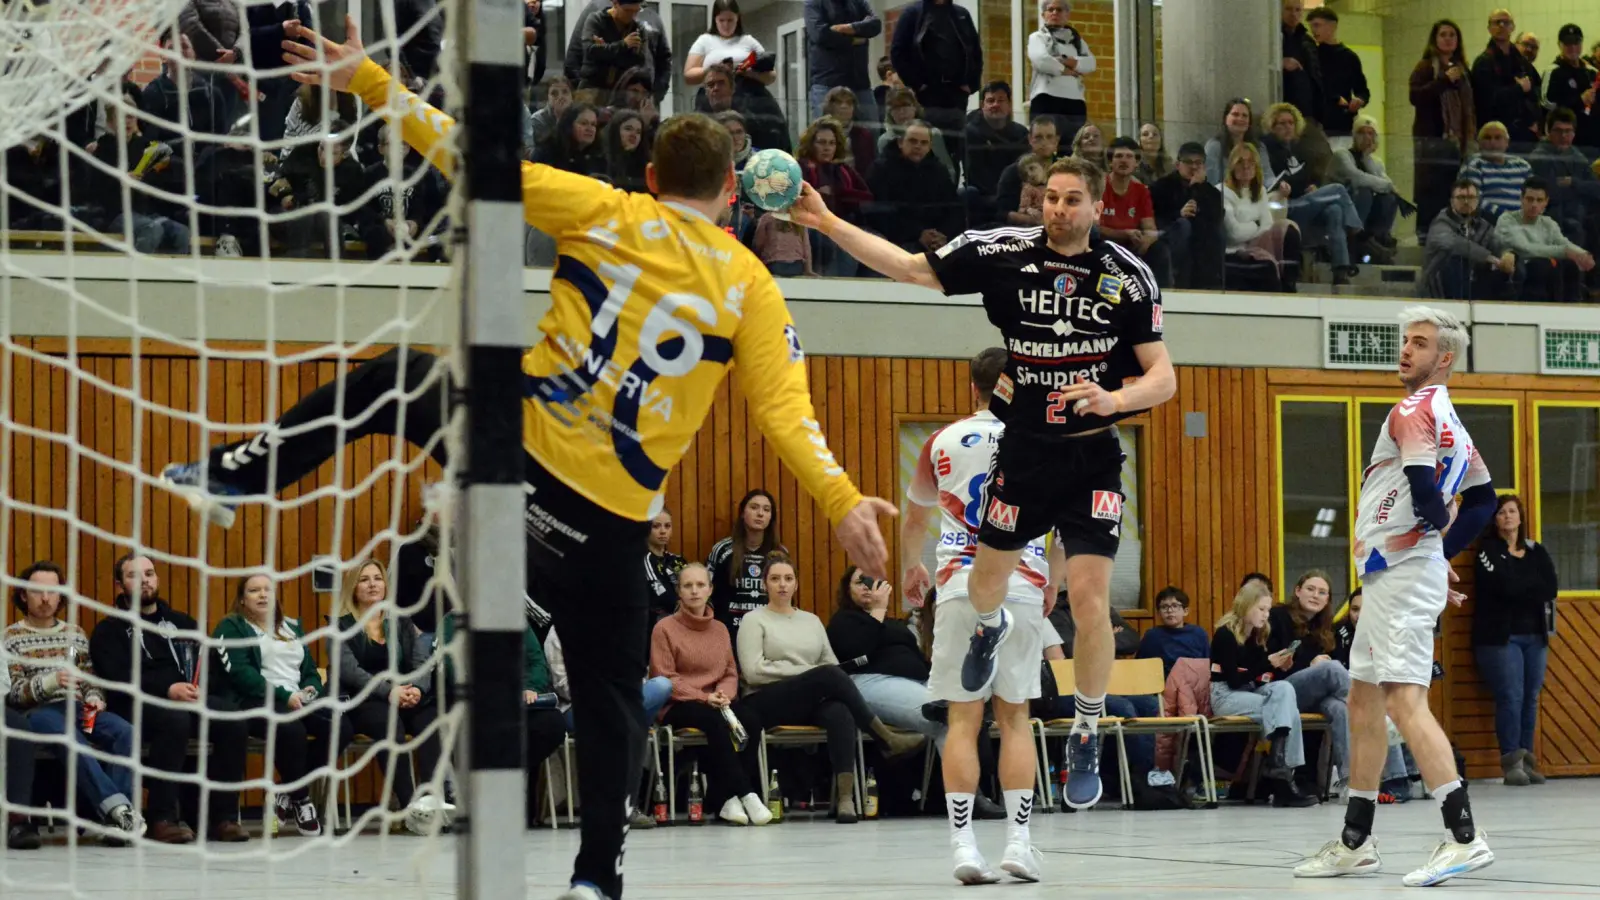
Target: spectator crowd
732 653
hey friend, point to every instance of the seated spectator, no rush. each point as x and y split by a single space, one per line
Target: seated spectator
881 654
210 98
403 214
900 111
1171 638
1043 145
626 152
841 185
154 223
1034 174
1465 259
1154 163
307 118
691 649
265 666
1190 213
994 141
1126 638
48 659
1574 187
1238 127
1090 144
763 117
1128 217
737 587
1243 684
574 148
304 184
661 568
861 147
656 692
1312 201
632 93
742 214
914 204
544 726
1360 170
168 644
20 753
614 40
784 246
558 96
1498 175
382 657
1300 644
793 678
1254 234
1553 267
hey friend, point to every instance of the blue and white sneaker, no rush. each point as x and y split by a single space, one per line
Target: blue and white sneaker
977 670
1083 769
583 891
189 480
1450 859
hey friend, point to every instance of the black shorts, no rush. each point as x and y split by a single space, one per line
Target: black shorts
1073 485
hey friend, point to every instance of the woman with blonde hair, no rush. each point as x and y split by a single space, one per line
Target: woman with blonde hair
1243 683
380 658
1254 234
1090 144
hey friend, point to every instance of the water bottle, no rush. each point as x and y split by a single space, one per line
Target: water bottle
697 811
774 798
871 810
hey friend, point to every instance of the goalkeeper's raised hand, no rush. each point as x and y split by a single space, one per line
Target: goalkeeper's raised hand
338 62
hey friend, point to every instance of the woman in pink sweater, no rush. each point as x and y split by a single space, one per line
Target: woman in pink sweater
693 649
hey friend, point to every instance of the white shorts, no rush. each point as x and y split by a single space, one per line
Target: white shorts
1400 607
1016 677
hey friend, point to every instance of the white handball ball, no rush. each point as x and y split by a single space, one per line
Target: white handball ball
771 180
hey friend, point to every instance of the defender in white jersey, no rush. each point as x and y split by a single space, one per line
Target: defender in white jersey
951 472
1407 530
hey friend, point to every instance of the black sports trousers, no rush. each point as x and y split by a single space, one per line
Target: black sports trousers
583 566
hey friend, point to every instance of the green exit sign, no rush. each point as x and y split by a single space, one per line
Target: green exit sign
1566 351
1360 345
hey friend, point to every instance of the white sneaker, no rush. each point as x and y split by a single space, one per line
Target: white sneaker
1021 860
755 809
228 247
971 868
1335 859
1450 859
582 892
733 812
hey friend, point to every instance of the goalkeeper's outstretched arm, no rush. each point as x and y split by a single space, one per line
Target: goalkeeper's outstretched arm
551 199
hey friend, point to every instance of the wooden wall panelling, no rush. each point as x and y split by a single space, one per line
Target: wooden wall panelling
1569 714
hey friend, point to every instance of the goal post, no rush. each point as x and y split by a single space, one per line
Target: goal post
185 255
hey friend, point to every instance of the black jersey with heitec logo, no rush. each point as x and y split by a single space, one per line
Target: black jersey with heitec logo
1063 319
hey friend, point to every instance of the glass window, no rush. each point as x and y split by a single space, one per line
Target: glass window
1127 576
688 23
1568 512
1314 450
1493 430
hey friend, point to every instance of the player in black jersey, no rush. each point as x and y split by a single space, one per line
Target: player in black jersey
1081 322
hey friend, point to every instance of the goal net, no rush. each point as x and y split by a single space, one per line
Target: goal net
191 242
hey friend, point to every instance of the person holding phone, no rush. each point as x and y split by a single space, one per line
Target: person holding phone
1300 647
881 654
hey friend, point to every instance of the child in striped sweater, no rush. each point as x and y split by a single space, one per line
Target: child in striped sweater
46 658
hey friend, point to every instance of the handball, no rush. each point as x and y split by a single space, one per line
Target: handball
771 180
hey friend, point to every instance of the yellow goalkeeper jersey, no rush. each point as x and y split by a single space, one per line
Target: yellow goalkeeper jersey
652 304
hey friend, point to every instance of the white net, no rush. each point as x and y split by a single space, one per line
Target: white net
191 243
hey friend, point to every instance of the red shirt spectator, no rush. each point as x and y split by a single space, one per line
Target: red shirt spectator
1127 210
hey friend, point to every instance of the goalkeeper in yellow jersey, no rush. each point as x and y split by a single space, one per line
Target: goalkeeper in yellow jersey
652 304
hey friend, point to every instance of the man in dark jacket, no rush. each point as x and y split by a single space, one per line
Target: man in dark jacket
994 139
1465 260
1574 188
837 34
305 181
158 656
763 116
262 46
1302 67
1503 84
1572 85
1343 80
1189 213
210 98
572 60
420 53
618 39
937 54
914 198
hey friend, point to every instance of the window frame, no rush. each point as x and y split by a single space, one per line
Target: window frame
1351 425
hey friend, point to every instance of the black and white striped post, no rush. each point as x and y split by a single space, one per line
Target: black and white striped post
491 545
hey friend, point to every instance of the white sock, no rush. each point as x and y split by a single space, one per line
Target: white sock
990 618
1443 790
1089 711
1019 809
959 809
1371 796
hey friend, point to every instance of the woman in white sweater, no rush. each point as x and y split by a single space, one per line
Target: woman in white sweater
791 677
1060 60
1359 168
1254 233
